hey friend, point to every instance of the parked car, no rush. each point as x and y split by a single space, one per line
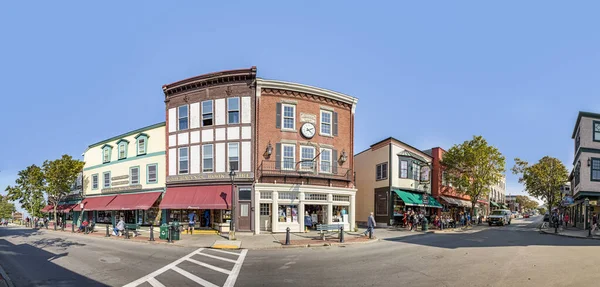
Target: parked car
499 217
526 215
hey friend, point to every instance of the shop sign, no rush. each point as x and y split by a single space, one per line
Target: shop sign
425 174
568 200
124 188
123 182
213 176
308 118
119 177
425 199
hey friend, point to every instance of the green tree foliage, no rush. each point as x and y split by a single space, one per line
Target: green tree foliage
542 210
472 167
544 179
28 190
526 203
60 175
6 208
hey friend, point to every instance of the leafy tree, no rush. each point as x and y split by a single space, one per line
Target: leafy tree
60 175
6 208
544 179
472 167
526 203
542 210
28 190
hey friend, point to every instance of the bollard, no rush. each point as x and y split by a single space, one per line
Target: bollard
170 235
556 227
55 226
62 227
590 231
151 233
73 227
107 234
46 224
370 232
126 233
341 234
287 236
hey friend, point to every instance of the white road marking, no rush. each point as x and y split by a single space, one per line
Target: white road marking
193 277
162 270
209 266
155 282
226 252
217 257
236 270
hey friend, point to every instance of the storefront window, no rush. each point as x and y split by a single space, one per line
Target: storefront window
288 213
104 217
339 212
317 212
245 194
129 216
175 215
150 215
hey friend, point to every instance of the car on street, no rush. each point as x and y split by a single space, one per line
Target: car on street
526 215
499 217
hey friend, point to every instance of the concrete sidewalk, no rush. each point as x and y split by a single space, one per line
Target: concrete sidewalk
572 232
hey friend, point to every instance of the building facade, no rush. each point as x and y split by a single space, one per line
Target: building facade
392 178
304 157
210 132
124 177
497 195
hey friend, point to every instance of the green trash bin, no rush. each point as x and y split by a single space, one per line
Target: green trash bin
176 230
164 231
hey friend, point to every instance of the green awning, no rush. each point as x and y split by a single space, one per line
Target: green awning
494 204
434 203
408 197
503 206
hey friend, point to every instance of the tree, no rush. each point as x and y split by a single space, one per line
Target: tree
542 210
6 208
472 167
544 179
60 175
28 190
526 203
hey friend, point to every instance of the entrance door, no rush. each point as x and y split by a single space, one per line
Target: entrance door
244 216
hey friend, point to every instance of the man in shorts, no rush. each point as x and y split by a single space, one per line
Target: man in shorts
191 222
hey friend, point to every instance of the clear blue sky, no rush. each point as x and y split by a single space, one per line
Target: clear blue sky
431 74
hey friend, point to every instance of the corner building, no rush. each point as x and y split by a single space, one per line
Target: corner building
304 157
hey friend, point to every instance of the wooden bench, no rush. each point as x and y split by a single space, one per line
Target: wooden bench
326 228
134 227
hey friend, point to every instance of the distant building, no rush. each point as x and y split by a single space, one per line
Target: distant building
497 195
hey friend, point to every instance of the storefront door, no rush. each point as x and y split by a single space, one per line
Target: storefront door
244 216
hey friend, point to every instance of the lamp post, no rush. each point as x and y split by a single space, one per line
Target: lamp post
587 216
233 215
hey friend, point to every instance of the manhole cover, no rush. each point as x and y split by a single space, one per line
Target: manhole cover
110 259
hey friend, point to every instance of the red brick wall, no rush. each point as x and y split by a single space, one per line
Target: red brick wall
437 189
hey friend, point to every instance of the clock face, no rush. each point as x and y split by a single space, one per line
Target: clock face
308 130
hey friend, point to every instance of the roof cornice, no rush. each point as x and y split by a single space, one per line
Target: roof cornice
162 124
281 85
579 116
211 79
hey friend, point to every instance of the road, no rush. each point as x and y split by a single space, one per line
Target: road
515 255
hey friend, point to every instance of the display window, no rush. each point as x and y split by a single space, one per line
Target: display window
288 213
104 217
339 212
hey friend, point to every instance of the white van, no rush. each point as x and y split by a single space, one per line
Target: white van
499 217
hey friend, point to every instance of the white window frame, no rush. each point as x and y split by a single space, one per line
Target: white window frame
329 170
307 165
145 141
212 158
95 181
148 180
330 123
122 149
106 155
179 160
283 106
131 175
230 110
187 117
283 146
104 182
229 145
211 113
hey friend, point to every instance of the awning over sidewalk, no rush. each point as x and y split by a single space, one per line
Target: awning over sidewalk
47 209
416 199
133 201
63 208
95 203
494 204
456 201
197 197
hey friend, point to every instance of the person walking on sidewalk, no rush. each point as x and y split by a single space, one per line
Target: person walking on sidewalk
370 225
594 222
566 218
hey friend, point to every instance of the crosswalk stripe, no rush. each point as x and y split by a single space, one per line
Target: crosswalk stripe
226 252
161 270
193 277
155 282
236 270
217 257
209 266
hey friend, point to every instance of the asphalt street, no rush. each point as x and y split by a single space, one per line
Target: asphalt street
515 255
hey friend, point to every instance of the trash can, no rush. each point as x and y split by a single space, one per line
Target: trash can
164 231
176 230
425 225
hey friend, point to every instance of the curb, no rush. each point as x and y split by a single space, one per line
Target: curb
112 238
570 236
4 279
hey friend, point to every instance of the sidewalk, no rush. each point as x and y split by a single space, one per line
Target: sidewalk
571 232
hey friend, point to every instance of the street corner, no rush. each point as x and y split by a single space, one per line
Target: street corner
227 244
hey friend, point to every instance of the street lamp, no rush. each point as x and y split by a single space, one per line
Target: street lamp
587 216
232 222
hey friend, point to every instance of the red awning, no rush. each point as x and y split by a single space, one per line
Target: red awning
65 207
484 202
134 201
47 208
95 203
197 197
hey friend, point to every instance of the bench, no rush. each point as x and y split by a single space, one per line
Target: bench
325 228
90 228
134 227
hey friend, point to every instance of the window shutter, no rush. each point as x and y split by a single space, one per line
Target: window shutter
278 120
335 124
334 161
278 152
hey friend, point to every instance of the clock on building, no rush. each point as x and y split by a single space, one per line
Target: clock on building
308 130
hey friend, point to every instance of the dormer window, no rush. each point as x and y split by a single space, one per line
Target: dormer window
122 147
142 144
106 153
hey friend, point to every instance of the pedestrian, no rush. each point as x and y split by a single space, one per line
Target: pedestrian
191 223
468 219
370 225
118 230
594 222
566 218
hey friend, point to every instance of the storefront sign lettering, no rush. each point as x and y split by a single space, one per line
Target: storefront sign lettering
119 177
222 175
120 182
308 118
124 188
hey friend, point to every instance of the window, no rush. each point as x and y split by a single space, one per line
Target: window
266 195
94 181
183 160
315 196
106 176
207 158
207 113
307 155
265 209
106 153
288 195
289 117
234 156
416 171
325 160
288 213
245 194
122 149
344 198
444 181
134 175
326 122
596 169
381 171
142 144
233 110
151 173
403 169
183 117
289 157
596 131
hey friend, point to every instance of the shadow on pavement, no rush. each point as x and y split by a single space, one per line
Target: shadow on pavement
29 265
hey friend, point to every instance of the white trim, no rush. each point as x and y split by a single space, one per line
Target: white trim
179 160
283 156
330 122
303 188
229 155
212 147
202 112
330 161
283 127
239 110
271 84
314 153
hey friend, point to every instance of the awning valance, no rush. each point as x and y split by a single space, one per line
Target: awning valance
197 197
95 203
134 201
416 199
494 204
63 208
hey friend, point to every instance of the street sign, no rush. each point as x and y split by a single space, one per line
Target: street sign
425 199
